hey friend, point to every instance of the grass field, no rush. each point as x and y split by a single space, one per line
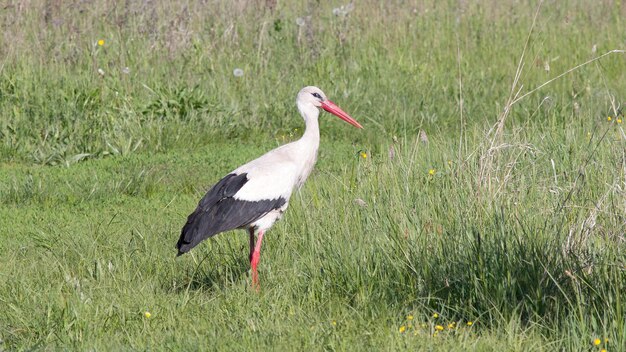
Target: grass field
483 206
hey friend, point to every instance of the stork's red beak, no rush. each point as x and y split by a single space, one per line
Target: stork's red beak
335 110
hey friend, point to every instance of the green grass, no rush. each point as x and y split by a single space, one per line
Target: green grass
518 229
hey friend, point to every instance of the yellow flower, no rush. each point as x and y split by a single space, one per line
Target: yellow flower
451 325
431 172
469 323
147 314
402 329
334 323
603 350
435 315
363 155
409 317
101 42
609 118
438 327
619 120
597 342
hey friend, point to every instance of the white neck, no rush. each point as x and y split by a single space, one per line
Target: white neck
311 135
309 143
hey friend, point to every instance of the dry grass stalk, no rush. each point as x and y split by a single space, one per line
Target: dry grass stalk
489 164
488 158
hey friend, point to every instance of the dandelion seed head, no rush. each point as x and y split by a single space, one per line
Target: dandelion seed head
300 21
238 72
343 10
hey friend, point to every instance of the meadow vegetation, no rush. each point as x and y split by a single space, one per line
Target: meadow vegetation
479 209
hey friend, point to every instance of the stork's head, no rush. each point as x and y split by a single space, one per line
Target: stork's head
310 98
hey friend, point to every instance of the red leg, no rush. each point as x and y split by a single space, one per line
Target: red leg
256 256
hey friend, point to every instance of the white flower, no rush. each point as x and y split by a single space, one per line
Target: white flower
238 72
343 10
300 21
101 72
126 70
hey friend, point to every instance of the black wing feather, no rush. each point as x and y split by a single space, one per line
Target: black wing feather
218 211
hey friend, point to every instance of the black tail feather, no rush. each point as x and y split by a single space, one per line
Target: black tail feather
219 211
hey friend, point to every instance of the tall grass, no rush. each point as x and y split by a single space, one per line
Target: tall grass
391 64
460 218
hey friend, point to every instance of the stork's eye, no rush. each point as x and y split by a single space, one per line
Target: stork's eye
317 95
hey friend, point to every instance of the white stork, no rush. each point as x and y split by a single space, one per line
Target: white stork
256 194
